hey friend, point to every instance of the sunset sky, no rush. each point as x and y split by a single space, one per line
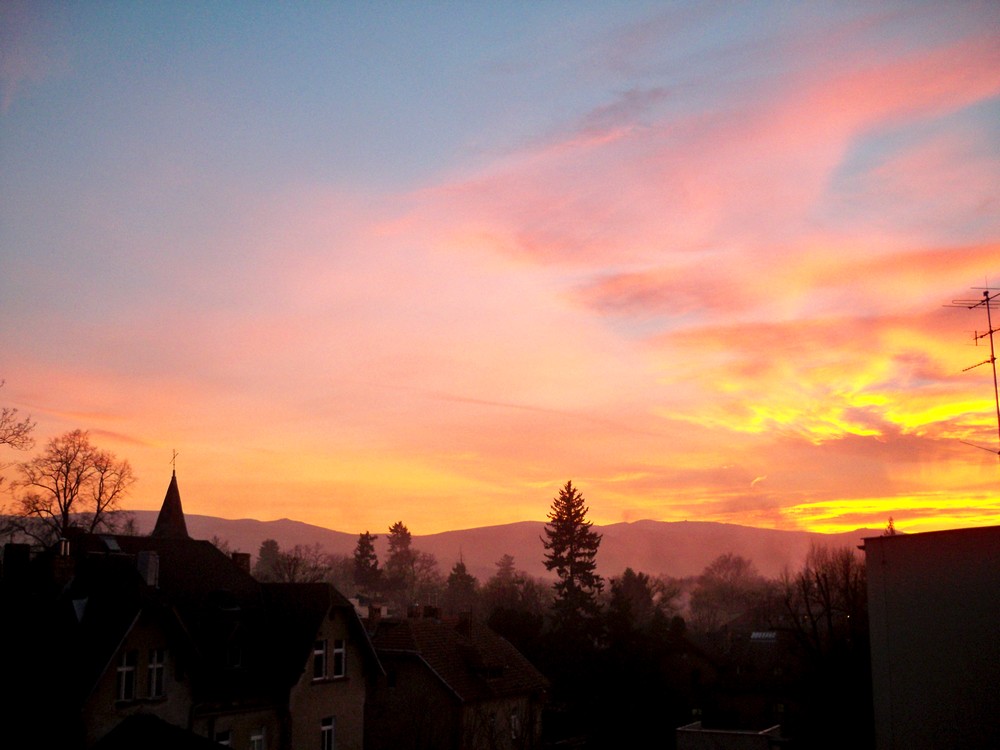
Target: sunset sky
361 262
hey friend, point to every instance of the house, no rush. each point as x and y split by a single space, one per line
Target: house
318 627
934 614
452 684
103 632
756 672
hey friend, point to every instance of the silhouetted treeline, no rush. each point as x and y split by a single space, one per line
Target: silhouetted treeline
641 654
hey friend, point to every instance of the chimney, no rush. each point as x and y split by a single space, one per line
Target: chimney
242 561
63 566
148 564
374 616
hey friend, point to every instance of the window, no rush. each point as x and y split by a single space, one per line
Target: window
257 739
326 734
319 660
126 676
224 738
339 657
157 668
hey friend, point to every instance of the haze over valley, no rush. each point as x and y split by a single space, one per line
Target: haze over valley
678 549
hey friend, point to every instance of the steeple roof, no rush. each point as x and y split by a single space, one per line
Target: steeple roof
170 523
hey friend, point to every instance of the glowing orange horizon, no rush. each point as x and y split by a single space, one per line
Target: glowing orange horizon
696 267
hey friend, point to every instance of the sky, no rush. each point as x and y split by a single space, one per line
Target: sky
360 262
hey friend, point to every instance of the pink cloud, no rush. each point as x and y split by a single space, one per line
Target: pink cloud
741 185
819 280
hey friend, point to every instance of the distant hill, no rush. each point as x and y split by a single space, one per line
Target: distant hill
679 549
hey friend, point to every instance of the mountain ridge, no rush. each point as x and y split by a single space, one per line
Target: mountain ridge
674 548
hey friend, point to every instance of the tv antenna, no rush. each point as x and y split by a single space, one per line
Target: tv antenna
988 296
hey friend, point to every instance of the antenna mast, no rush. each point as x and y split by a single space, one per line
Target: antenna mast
989 295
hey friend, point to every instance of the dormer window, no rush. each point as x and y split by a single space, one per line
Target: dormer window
110 543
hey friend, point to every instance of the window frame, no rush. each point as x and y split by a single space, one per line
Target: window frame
339 658
328 733
320 663
156 672
125 676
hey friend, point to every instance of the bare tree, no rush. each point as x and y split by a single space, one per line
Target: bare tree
826 610
304 563
340 572
301 564
667 592
727 588
15 431
222 544
72 484
428 583
827 601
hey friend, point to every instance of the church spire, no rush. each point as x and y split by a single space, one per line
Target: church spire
170 523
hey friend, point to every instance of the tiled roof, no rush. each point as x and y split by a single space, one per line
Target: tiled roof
470 659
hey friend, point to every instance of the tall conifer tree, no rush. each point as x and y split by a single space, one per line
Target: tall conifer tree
462 591
571 551
367 574
399 572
